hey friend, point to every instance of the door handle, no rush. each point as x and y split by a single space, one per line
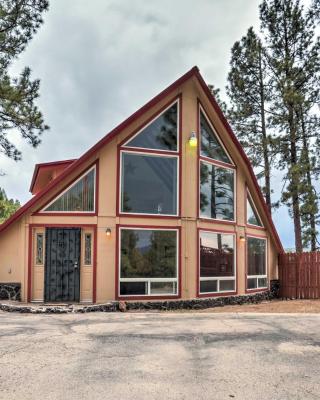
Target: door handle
75 266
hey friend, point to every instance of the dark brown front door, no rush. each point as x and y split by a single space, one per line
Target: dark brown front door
62 264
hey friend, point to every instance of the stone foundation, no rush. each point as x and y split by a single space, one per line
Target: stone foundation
10 291
164 305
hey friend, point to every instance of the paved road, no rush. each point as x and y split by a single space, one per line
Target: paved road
159 356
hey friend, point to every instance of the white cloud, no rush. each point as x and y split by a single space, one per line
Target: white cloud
98 63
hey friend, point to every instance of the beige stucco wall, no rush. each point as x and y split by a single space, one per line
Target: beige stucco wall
13 242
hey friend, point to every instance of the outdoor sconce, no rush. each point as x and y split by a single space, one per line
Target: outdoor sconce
108 232
242 239
193 140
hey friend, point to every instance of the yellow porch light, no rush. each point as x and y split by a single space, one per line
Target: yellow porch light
242 239
108 232
193 140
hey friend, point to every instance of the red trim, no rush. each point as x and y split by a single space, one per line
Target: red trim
217 221
216 162
243 155
166 297
45 165
194 72
94 269
248 291
220 294
45 225
178 154
79 214
29 263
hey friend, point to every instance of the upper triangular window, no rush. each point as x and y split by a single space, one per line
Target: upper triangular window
78 197
252 214
160 134
210 145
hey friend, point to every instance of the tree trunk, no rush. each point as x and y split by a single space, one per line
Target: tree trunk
295 179
313 236
264 137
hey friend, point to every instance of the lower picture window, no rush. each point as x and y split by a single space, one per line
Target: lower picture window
217 262
148 262
256 263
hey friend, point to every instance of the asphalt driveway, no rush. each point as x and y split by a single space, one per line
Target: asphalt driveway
159 356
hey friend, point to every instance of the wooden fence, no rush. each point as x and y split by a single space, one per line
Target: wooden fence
299 275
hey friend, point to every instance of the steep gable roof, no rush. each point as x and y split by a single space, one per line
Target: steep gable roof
194 72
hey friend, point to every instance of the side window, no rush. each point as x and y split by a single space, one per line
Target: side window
87 249
39 248
256 263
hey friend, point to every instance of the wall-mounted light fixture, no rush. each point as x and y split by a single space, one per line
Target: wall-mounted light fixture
108 231
193 140
242 239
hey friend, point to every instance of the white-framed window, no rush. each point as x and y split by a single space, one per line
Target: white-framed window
253 217
217 175
257 274
79 197
149 167
149 184
217 262
148 262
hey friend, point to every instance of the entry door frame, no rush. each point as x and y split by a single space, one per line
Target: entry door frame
30 253
62 265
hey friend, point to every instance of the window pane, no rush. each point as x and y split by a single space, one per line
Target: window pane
80 196
161 134
148 254
216 254
252 283
256 256
163 287
210 146
252 216
216 192
39 249
87 249
149 184
208 286
262 282
133 288
227 286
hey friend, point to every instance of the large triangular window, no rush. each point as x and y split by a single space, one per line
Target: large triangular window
211 146
78 197
252 214
160 134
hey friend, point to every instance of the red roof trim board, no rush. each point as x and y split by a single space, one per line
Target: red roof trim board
113 133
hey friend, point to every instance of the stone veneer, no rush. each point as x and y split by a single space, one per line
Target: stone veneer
10 291
193 304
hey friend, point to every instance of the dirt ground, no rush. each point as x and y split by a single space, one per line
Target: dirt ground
274 306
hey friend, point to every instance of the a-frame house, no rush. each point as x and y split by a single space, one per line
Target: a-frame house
165 206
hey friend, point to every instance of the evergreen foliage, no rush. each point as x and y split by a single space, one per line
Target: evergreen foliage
19 21
7 206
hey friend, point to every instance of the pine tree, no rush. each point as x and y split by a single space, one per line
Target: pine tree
248 91
293 62
7 206
19 21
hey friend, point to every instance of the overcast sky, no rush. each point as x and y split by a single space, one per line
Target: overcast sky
101 60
